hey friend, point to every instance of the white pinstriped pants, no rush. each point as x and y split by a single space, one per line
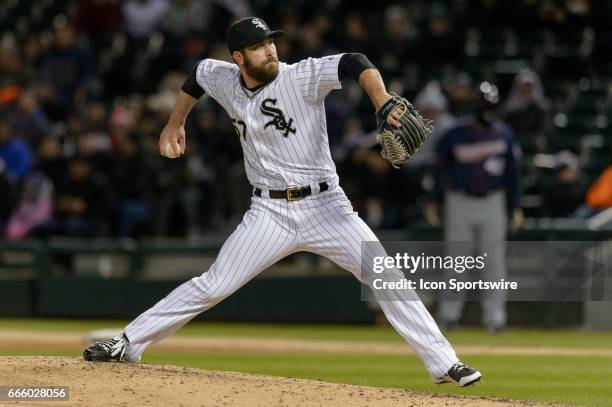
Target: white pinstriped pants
272 229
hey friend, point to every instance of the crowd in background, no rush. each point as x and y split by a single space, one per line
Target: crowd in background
84 96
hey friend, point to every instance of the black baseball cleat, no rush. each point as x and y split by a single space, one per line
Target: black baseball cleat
460 374
108 350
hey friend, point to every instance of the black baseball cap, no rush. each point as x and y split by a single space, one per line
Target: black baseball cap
248 31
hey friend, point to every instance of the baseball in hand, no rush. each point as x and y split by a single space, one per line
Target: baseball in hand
170 151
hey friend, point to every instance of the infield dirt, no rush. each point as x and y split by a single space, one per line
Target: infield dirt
118 384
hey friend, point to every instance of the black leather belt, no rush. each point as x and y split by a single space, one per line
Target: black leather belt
293 193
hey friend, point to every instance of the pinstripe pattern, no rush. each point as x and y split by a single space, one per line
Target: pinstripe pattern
271 229
324 224
335 231
271 160
262 238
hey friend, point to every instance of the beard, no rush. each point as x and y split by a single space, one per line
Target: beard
266 72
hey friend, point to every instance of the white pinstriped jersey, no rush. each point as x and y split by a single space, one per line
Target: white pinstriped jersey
282 125
283 134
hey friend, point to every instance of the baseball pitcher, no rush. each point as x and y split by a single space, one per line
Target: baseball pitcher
278 113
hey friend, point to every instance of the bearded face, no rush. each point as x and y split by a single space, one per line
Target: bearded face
266 71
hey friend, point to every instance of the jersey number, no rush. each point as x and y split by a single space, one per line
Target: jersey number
236 124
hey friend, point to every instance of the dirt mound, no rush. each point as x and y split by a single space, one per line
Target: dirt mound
115 384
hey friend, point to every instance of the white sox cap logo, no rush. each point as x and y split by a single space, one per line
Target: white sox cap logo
259 24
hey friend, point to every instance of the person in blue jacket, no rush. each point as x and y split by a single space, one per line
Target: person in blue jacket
478 179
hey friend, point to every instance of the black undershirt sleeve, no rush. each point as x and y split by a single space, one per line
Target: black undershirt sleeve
190 86
352 65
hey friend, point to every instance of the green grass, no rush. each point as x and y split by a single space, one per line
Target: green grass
512 337
576 380
539 378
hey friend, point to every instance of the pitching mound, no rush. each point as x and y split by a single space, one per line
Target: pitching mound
115 384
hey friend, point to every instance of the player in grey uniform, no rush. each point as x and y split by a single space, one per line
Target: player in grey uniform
297 205
480 171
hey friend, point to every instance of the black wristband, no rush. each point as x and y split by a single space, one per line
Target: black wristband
352 65
190 86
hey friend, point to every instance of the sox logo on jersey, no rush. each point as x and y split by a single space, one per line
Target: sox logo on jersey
278 117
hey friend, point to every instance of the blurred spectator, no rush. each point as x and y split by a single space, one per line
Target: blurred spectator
366 174
195 193
460 93
32 52
49 159
95 148
83 204
579 11
15 154
56 94
567 191
488 13
400 38
124 118
573 13
64 68
178 197
211 168
142 17
95 117
353 134
185 17
27 119
527 109
34 208
13 74
134 197
433 105
400 29
99 20
311 43
163 100
439 43
357 37
184 25
372 182
349 156
599 196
